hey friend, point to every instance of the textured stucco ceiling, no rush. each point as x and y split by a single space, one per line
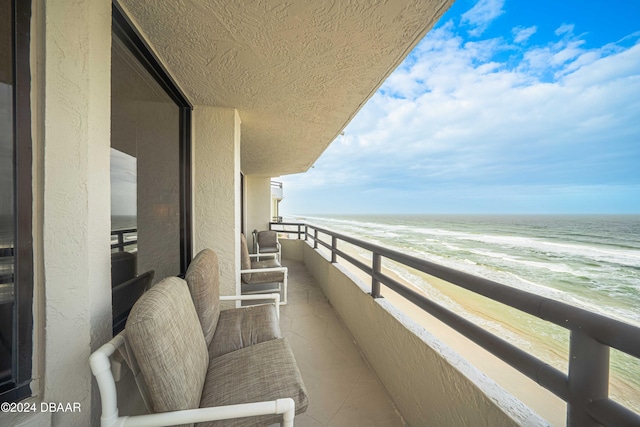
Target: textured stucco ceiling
297 71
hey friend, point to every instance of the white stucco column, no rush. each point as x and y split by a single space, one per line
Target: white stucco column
258 190
76 202
216 190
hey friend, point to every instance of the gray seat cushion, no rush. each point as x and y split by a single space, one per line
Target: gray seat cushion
247 264
264 277
241 327
261 372
261 288
268 250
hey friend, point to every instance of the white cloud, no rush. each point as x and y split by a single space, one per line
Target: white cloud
565 29
467 117
480 16
522 34
464 115
554 55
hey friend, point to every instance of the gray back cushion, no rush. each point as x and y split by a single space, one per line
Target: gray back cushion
268 239
245 259
165 336
203 278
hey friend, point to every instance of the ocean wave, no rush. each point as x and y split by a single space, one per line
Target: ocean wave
541 264
555 267
623 256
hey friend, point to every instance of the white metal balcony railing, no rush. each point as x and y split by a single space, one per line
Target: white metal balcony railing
592 336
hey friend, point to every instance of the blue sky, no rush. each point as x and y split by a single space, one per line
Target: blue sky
506 106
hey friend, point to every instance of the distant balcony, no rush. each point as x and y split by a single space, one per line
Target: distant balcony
277 192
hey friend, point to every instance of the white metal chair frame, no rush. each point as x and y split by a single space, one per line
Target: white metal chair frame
100 363
270 270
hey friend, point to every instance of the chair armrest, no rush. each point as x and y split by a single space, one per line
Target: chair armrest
265 270
275 297
284 406
263 255
101 368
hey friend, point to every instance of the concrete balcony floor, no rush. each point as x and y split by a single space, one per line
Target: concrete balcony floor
343 390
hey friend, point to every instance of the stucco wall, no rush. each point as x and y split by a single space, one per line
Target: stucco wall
292 249
429 383
258 190
75 101
216 190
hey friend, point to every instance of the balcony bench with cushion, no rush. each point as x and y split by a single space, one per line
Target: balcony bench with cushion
250 379
260 277
232 329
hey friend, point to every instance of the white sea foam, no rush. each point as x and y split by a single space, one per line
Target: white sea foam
595 276
590 263
630 257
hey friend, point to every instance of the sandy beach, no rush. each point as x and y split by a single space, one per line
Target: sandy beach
539 399
550 348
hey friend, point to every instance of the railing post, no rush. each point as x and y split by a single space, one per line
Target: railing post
120 242
306 233
588 377
315 238
376 267
334 247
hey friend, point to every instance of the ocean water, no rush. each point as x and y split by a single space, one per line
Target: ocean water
120 222
592 262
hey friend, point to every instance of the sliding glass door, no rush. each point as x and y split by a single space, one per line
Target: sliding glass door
150 169
16 254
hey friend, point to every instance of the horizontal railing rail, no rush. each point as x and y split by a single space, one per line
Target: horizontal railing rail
586 386
286 228
122 243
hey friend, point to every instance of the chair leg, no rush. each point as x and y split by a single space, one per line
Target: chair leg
284 300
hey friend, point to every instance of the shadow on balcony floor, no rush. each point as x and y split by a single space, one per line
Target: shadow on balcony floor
343 391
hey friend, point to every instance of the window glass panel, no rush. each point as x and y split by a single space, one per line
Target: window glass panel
145 141
7 210
123 202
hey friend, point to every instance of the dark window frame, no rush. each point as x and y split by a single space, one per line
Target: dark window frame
242 213
126 31
20 385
